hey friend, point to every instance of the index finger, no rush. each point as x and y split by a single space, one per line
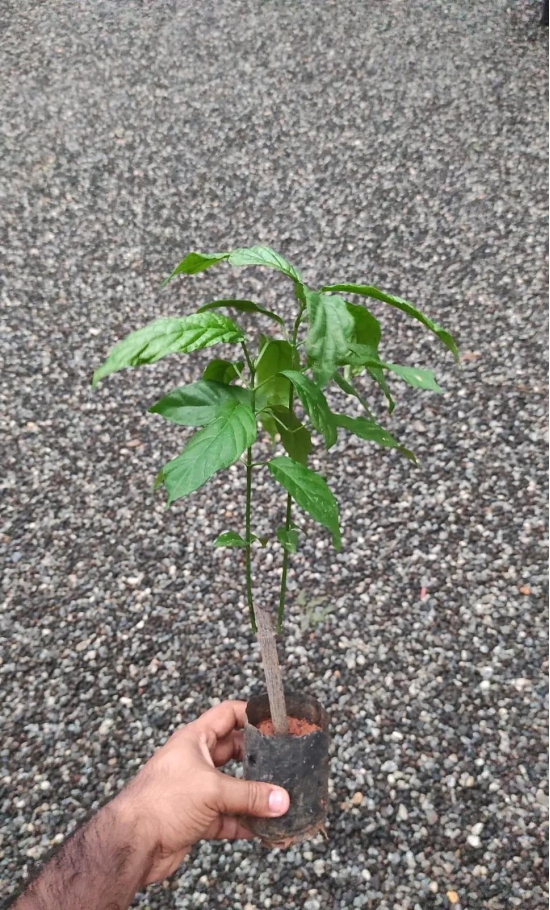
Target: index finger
222 719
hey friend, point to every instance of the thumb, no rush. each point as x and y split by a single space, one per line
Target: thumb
250 797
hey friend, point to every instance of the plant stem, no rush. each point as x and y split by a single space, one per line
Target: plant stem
259 617
248 552
249 362
272 670
286 555
288 520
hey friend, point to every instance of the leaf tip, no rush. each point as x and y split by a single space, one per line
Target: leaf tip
159 480
96 376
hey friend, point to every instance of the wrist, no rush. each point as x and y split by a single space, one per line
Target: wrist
134 828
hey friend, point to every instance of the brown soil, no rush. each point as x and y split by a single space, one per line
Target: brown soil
296 727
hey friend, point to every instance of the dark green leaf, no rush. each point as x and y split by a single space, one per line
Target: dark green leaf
230 539
419 379
271 388
329 335
294 436
366 328
350 390
243 306
196 405
169 336
315 406
264 255
215 447
371 431
288 539
195 263
415 376
367 334
310 492
368 291
359 357
223 370
377 374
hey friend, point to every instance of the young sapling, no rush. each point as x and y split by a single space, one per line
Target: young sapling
276 388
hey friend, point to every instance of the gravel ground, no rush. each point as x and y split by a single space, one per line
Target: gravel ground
402 143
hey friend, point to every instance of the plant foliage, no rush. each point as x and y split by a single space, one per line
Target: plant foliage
279 387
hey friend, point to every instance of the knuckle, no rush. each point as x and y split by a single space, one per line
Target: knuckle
212 792
255 797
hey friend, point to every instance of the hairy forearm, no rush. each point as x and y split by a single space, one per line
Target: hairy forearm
100 867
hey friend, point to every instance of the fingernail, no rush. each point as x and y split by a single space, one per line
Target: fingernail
277 802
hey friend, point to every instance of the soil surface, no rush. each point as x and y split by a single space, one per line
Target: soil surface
296 727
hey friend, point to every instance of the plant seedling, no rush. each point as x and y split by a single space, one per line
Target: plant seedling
275 389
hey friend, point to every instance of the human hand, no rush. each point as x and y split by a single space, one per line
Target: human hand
179 798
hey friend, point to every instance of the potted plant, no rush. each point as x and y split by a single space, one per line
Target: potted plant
274 388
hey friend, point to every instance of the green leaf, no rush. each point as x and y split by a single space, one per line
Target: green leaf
315 406
371 431
230 539
271 388
196 405
377 374
169 336
243 306
366 328
310 492
329 335
294 436
415 376
367 334
245 256
215 447
223 370
264 255
195 263
350 390
361 357
419 379
288 539
368 291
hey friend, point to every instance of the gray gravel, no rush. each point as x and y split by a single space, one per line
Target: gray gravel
402 143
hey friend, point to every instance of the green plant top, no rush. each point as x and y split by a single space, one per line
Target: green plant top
235 399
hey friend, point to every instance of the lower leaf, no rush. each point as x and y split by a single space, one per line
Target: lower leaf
223 370
288 539
294 436
230 539
215 447
371 431
197 404
310 491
